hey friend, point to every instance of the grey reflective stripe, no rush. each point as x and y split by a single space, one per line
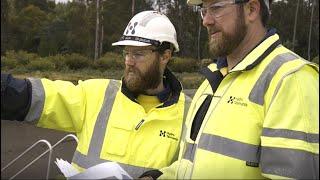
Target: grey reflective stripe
190 151
184 132
231 148
93 157
187 154
102 120
291 134
259 89
37 100
187 102
290 163
86 162
99 129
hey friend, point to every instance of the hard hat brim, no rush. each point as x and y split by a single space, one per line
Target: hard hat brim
130 43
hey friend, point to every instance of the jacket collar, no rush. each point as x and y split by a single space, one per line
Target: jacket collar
259 52
168 96
252 59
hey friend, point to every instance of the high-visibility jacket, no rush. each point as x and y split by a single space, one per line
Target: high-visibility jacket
262 120
110 124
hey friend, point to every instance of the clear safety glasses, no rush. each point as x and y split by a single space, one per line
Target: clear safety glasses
137 55
217 10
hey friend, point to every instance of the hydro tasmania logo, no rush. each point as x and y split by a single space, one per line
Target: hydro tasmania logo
236 101
167 135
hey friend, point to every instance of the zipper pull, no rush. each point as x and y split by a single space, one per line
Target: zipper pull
139 124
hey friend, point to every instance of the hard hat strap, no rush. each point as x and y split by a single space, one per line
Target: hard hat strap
141 39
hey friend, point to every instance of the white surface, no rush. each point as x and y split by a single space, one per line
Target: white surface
103 170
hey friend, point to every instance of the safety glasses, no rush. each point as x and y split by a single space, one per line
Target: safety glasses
216 10
137 55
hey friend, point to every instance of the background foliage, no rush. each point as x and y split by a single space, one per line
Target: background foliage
47 29
43 39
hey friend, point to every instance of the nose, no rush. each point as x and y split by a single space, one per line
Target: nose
208 20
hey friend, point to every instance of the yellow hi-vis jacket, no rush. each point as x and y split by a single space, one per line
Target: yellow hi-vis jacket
110 124
262 121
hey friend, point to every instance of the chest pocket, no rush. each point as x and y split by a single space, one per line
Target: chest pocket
118 138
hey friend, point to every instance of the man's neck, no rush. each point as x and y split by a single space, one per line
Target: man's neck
253 37
156 90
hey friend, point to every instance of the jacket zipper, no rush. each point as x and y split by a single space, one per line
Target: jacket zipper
139 124
142 120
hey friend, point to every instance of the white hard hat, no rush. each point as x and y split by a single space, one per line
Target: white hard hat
148 28
198 2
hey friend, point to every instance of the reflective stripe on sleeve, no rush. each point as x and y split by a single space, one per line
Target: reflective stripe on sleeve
187 102
37 100
93 157
230 148
189 152
290 163
102 120
259 89
99 129
85 161
291 134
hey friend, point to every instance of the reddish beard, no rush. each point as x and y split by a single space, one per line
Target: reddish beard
228 42
139 82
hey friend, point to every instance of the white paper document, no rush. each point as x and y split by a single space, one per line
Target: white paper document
66 168
111 170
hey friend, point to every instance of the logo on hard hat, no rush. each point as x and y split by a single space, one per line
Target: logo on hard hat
131 28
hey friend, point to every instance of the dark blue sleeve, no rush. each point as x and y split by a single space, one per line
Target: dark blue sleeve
15 97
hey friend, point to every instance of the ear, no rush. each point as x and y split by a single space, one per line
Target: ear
252 10
165 57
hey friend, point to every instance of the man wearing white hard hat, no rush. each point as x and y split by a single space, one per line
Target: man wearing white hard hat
256 115
136 122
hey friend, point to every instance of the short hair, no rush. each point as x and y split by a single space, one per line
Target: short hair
264 12
164 46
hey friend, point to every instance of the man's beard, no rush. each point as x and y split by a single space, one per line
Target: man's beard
221 47
138 82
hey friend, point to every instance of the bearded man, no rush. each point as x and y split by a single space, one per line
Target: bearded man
256 115
136 122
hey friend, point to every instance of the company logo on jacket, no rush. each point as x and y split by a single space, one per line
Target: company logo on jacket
167 135
236 101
